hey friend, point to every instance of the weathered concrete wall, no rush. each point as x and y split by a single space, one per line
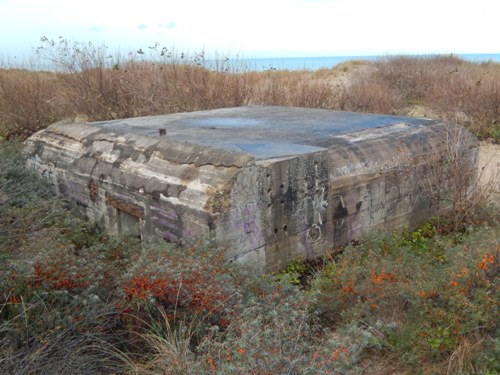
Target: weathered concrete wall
270 182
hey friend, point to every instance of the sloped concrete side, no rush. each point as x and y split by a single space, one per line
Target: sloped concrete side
307 204
131 183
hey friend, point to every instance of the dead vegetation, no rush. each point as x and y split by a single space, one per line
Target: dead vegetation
88 81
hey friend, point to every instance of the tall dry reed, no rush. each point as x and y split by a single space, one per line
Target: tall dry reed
87 80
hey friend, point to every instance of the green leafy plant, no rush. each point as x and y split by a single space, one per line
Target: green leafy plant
433 304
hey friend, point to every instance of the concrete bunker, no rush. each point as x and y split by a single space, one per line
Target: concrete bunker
270 182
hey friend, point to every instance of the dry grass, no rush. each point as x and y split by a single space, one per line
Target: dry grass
456 188
455 90
99 86
28 101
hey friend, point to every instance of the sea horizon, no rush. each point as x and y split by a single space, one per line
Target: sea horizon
259 64
327 62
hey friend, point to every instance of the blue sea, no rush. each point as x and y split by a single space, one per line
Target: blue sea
242 64
315 63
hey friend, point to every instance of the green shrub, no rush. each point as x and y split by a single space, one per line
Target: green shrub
190 285
433 291
54 313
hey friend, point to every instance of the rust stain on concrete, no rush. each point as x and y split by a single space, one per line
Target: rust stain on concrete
127 207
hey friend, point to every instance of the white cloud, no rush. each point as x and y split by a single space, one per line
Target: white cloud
265 27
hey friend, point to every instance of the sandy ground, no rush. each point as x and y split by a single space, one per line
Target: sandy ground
489 169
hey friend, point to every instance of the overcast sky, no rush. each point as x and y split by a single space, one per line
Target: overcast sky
258 28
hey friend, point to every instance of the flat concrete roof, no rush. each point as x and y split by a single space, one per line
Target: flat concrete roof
261 131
